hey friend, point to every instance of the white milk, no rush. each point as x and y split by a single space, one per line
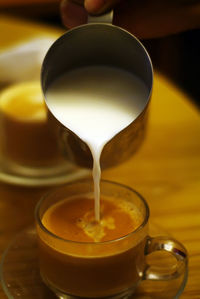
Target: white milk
96 103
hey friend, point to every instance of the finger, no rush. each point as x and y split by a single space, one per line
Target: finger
99 6
73 13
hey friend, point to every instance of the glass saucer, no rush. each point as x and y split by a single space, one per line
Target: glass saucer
36 177
20 276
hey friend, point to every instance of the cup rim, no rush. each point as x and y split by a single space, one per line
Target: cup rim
140 227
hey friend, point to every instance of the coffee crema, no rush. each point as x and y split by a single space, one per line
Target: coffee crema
74 219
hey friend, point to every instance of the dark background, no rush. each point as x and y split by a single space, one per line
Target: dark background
178 57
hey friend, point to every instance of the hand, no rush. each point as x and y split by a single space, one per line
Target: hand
143 18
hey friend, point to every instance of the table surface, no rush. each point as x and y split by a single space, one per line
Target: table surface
165 170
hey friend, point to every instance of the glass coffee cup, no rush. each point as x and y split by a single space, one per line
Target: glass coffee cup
29 152
102 269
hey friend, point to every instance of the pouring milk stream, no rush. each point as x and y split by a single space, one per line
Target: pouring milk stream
96 103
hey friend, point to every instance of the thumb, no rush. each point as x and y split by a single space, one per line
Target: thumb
99 6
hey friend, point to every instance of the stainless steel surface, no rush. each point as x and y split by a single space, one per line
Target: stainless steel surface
98 44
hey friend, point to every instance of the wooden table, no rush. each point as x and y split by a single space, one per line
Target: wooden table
166 169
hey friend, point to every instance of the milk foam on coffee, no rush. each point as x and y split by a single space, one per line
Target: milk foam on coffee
96 103
73 219
24 102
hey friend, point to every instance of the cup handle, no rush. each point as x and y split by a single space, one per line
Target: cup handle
107 17
173 247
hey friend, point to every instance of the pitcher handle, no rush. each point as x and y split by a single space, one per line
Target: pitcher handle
104 18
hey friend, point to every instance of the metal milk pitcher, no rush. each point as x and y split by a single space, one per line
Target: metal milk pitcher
98 43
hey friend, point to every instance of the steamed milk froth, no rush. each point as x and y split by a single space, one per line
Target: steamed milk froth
96 103
73 219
